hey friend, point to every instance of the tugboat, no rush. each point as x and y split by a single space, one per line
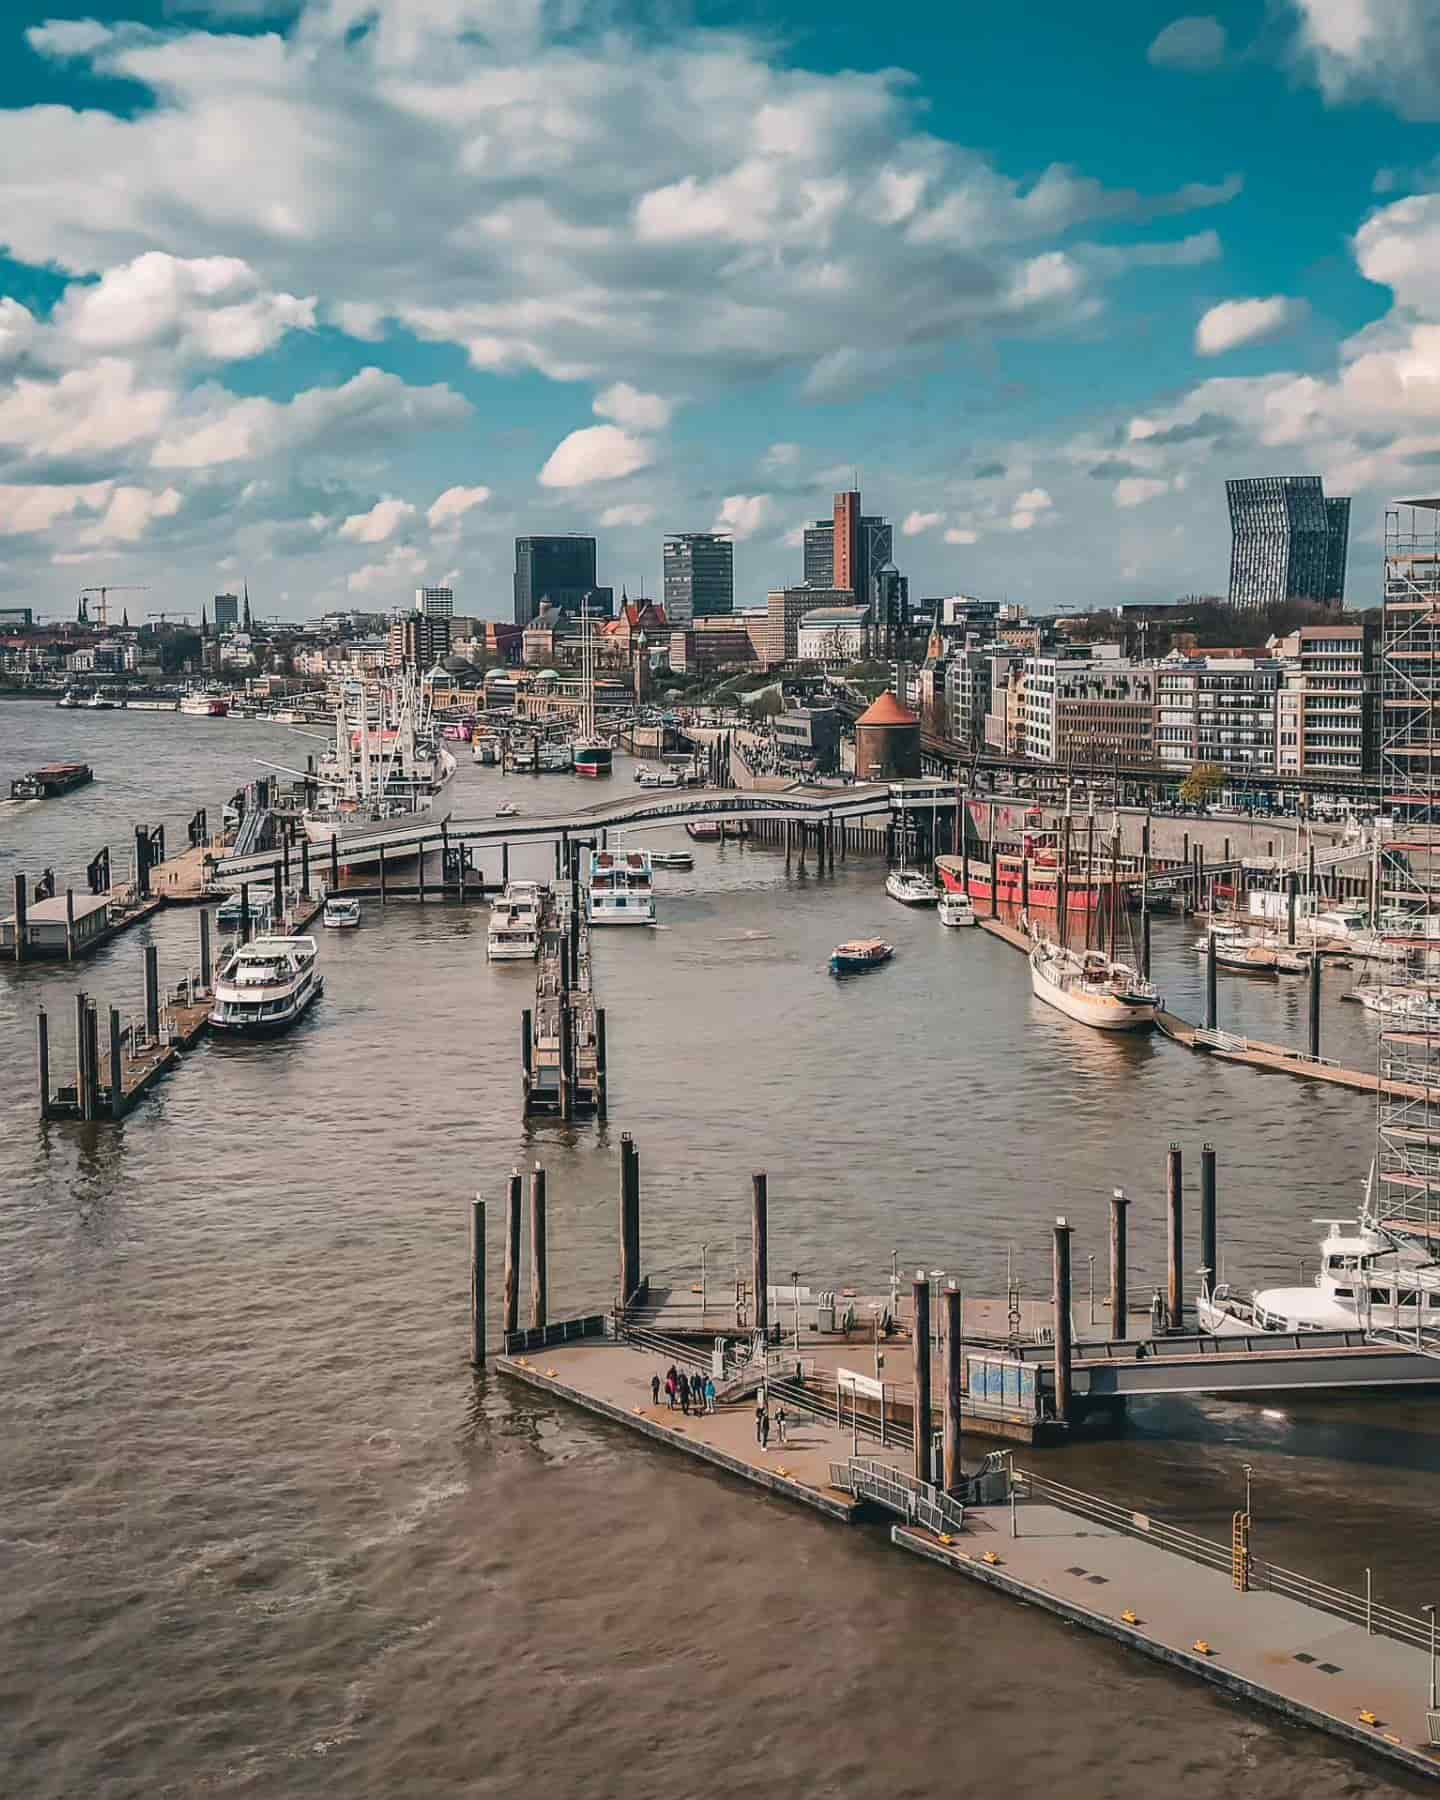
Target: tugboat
859 954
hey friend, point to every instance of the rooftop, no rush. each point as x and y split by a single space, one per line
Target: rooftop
887 710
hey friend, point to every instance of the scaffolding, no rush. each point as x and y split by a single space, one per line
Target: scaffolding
1405 1200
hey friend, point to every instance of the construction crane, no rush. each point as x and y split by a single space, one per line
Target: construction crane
102 605
162 616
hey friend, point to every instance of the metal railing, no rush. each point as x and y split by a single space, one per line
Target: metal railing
1340 1603
918 1501
563 1331
675 1348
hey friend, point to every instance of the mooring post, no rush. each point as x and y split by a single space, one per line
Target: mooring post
20 898
152 993
527 1040
760 1248
505 864
420 872
82 1086
277 884
205 969
1315 1004
1208 1265
69 924
334 861
304 868
1064 1349
285 854
382 874
117 1078
538 1295
1174 1239
1211 1006
920 1358
244 912
602 1097
629 1219
994 871
954 1389
1119 1266
92 1061
510 1320
477 1281
567 1058
1292 882
1145 943
42 1060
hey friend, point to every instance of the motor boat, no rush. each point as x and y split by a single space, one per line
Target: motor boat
912 887
507 809
859 954
671 859
957 909
341 915
621 889
1088 987
265 986
514 930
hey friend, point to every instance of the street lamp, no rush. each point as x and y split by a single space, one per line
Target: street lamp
1091 1260
936 1277
1430 1610
1247 1469
795 1292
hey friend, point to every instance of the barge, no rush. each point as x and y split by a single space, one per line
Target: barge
53 779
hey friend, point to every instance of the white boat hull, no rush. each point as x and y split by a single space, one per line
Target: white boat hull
634 914
434 811
1103 1011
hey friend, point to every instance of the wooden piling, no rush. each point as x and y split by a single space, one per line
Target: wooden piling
477 1282
629 1220
567 1056
277 884
42 1060
510 1310
152 993
1315 1003
1211 997
382 874
69 924
538 1267
920 1359
205 966
1064 1346
1174 1239
92 1061
954 1388
1119 1266
81 1081
117 1073
760 1247
1208 1251
285 855
20 920
420 872
304 868
602 1070
334 861
1292 882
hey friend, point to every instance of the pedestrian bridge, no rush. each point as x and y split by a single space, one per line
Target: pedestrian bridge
645 806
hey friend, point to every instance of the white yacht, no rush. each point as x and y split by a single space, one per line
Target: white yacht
913 887
556 759
514 931
1365 1282
957 909
666 776
264 986
1088 987
621 888
386 764
1416 1006
341 915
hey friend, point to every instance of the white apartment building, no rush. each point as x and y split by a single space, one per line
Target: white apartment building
1099 711
1218 709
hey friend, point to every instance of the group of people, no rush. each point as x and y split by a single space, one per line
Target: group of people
693 1393
762 1424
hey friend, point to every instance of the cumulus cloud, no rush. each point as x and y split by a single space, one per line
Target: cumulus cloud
94 411
781 456
453 504
918 522
129 514
24 510
1194 43
401 568
961 534
742 515
1387 50
382 521
1237 322
630 513
627 406
1135 490
1029 508
211 307
595 453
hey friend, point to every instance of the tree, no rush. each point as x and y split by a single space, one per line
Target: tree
1202 784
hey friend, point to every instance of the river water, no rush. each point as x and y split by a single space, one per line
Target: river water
263 1532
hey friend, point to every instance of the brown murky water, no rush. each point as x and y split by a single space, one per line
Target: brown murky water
262 1532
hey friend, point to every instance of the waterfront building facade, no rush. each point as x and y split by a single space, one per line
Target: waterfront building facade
699 576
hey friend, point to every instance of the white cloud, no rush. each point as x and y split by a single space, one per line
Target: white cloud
1135 490
68 37
627 406
24 510
918 522
742 515
631 513
1386 50
17 330
211 307
1192 43
401 567
129 515
959 534
87 412
454 503
382 521
1029 508
595 453
780 456
1236 322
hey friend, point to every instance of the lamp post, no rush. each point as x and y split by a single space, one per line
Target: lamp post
1430 1612
1247 1468
795 1292
1090 1259
936 1277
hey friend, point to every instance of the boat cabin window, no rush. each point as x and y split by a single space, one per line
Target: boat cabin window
1344 1293
1381 1297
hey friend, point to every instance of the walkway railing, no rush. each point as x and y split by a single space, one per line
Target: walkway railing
918 1501
1340 1603
564 1331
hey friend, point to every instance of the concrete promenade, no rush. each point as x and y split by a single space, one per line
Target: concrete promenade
1291 1657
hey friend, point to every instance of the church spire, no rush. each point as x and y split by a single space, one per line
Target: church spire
247 606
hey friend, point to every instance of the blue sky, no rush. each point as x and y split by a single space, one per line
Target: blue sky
338 297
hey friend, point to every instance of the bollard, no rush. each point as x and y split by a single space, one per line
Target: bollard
920 1357
117 1076
1211 1006
1119 1266
244 912
205 968
954 1388
1174 1239
602 1097
1315 1004
510 1314
629 1220
334 861
69 924
477 1281
152 993
538 1295
20 922
277 883
1208 1261
1064 1372
304 868
760 1247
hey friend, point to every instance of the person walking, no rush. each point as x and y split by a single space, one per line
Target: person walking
654 1390
765 1429
760 1423
684 1392
709 1393
780 1422
670 1385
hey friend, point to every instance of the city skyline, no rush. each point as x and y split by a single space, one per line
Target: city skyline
1027 334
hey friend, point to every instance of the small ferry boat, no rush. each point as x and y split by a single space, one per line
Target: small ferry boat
858 954
341 915
666 777
704 831
1088 987
265 986
507 809
514 930
99 703
912 887
593 759
671 859
46 783
621 888
957 909
204 706
555 759
68 700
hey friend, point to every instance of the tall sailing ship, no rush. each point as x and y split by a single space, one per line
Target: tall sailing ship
387 763
1086 985
593 756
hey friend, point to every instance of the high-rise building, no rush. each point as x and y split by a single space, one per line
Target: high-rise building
889 606
227 612
699 577
558 569
1289 541
785 607
847 544
1325 708
820 554
417 641
435 602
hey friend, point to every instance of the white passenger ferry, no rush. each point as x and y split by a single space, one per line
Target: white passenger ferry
621 889
264 986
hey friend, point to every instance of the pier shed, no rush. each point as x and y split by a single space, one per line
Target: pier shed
50 929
